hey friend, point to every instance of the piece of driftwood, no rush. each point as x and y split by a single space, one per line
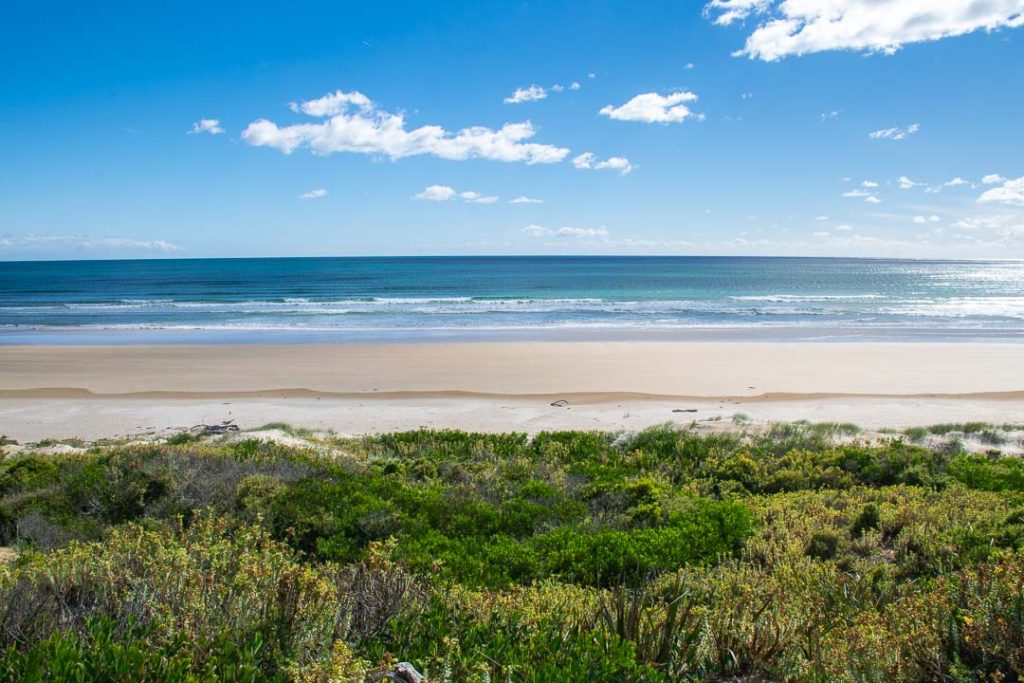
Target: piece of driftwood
684 410
560 403
403 672
214 430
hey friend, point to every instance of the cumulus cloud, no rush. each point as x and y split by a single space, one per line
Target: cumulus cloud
906 183
567 231
829 115
436 193
588 161
314 194
869 183
654 108
354 123
574 86
956 182
1010 192
799 27
476 198
332 103
926 219
857 192
444 193
993 179
84 243
211 126
873 200
896 133
842 228
525 200
531 94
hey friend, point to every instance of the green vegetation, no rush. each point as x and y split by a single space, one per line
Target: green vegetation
568 556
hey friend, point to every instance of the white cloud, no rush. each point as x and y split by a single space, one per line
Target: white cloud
574 86
1000 226
993 179
926 219
436 193
821 218
444 193
873 200
531 94
822 233
869 183
857 192
330 104
906 183
476 198
589 161
654 108
591 75
581 232
747 96
525 200
211 126
799 27
896 133
356 124
568 231
84 243
557 88
314 194
829 115
1010 192
735 10
842 228
956 182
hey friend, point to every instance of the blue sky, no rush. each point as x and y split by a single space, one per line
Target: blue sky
334 128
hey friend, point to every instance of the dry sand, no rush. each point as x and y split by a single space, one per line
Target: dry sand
106 391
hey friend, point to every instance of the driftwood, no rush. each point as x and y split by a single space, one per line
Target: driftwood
214 430
685 410
403 672
560 403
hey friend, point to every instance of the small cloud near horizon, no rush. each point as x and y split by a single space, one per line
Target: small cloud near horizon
210 126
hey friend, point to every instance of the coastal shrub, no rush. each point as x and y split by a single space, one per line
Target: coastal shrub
868 519
987 474
570 556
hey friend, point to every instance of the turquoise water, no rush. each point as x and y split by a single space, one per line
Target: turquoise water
409 299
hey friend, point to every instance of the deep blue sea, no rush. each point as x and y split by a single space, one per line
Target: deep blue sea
454 298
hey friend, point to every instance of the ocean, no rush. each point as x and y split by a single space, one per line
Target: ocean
279 300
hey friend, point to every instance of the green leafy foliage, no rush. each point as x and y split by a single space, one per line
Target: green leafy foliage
798 554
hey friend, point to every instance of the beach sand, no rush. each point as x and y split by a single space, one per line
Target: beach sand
106 391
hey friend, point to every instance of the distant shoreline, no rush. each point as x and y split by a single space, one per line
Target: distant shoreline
796 334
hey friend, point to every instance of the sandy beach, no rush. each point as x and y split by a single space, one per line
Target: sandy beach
105 391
